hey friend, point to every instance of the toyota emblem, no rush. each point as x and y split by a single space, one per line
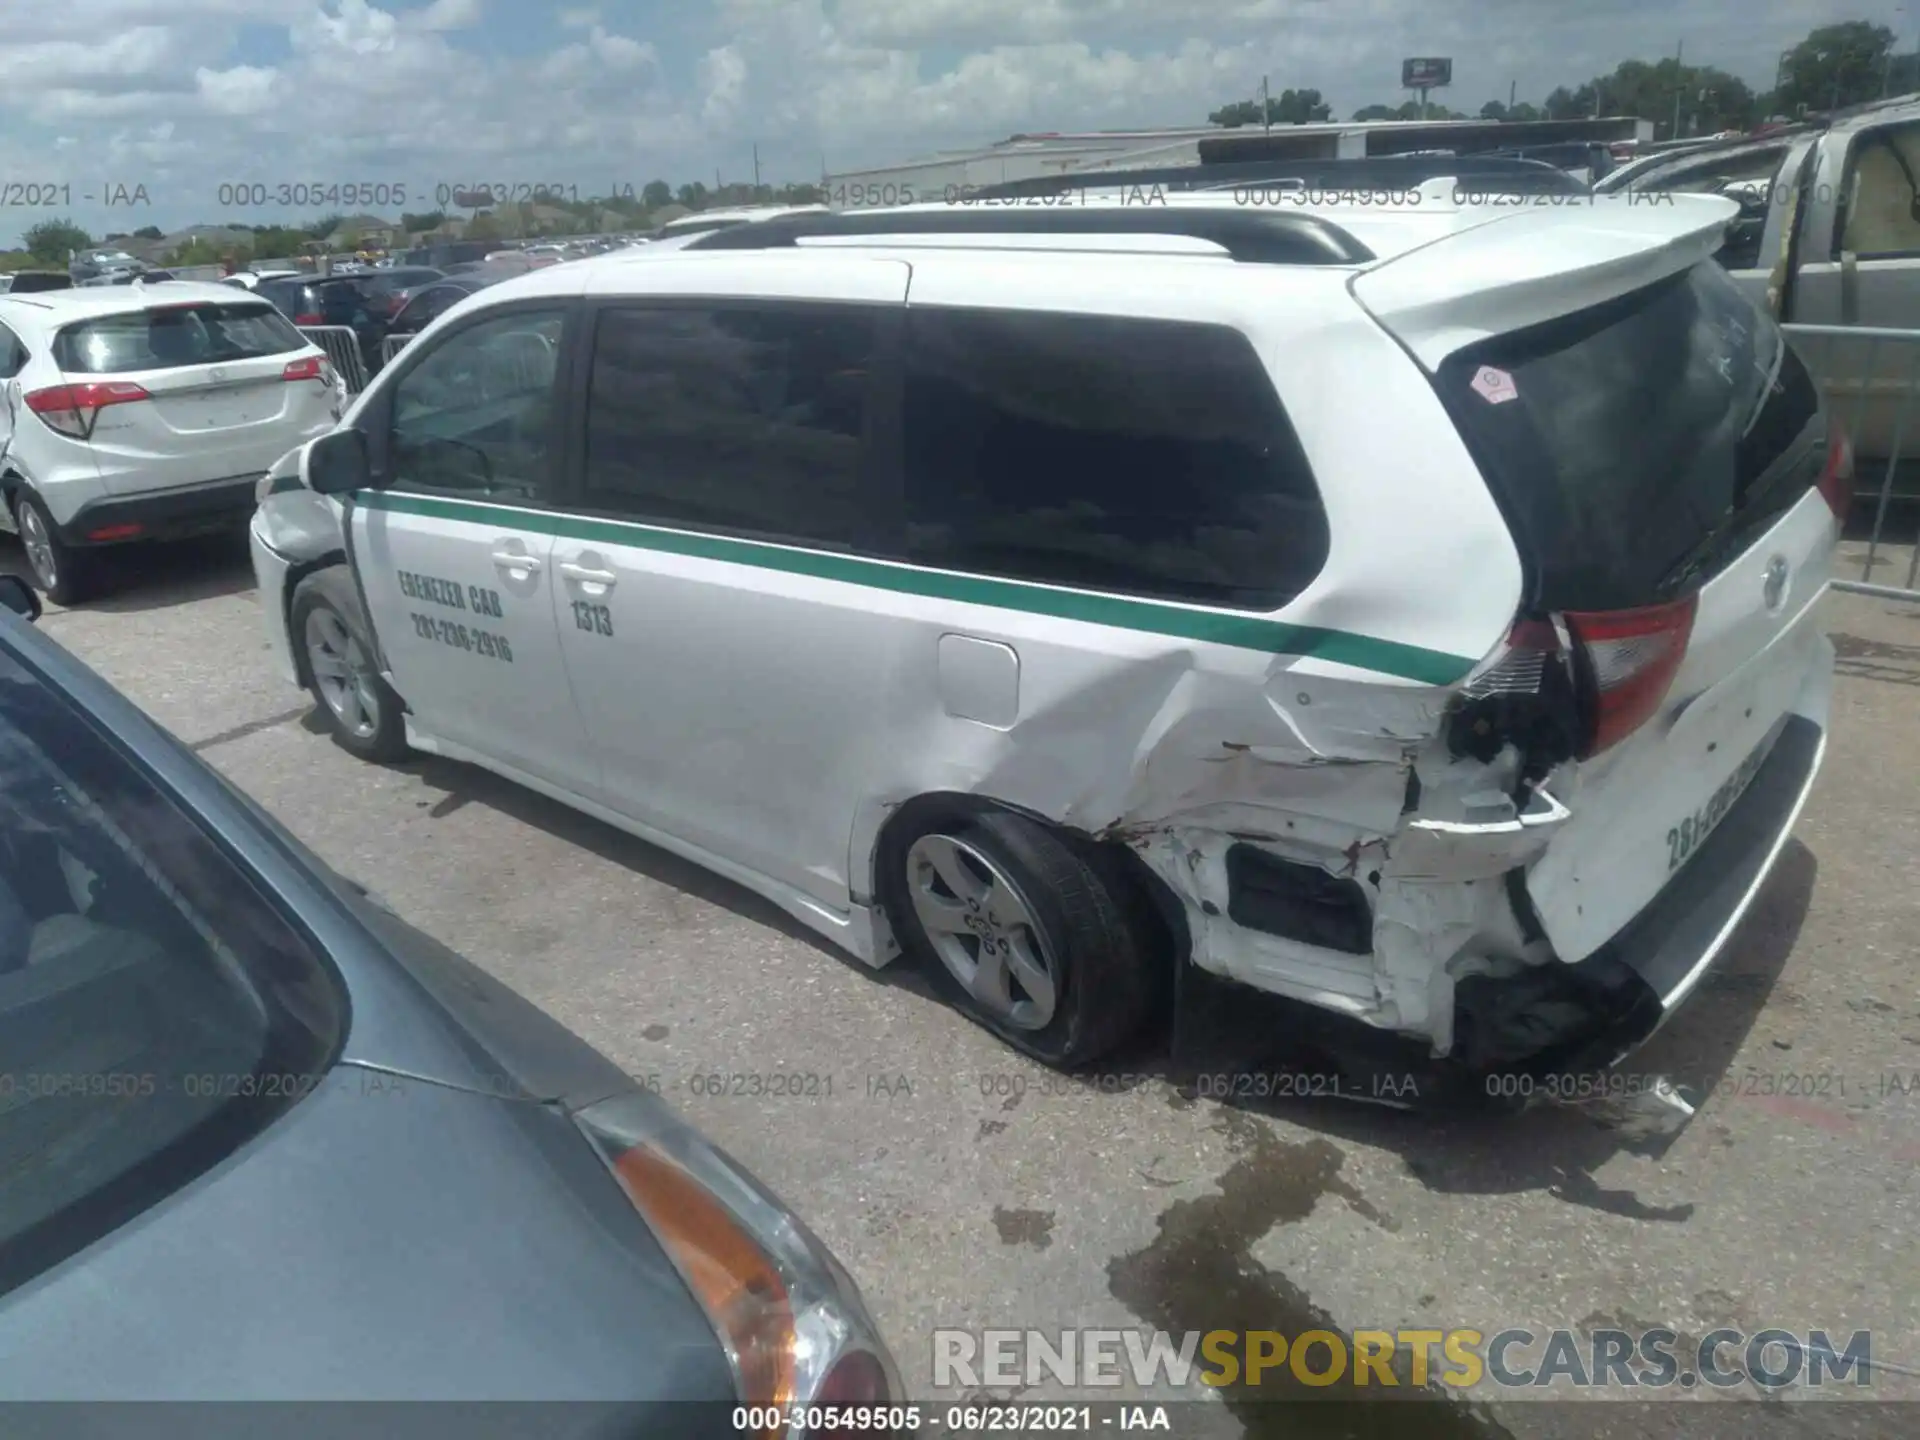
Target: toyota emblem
1775 589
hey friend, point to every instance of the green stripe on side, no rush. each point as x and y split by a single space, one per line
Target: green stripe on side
1245 632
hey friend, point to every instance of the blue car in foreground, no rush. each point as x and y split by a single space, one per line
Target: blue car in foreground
262 1140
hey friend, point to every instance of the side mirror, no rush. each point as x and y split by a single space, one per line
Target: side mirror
337 463
19 597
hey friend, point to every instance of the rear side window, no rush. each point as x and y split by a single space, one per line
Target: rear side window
1638 446
743 418
156 1011
173 338
1145 456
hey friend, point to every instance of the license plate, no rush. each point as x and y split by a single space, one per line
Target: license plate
1688 836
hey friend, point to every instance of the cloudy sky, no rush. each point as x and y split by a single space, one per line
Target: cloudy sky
183 96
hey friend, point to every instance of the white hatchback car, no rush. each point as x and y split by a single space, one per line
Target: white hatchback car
145 412
1407 610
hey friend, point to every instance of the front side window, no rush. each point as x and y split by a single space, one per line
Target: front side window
156 1011
476 415
1881 218
742 418
1147 457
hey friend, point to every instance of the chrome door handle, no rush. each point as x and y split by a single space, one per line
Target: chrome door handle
516 560
587 574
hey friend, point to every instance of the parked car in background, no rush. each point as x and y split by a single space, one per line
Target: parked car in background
702 221
1828 234
499 263
296 1104
252 279
32 282
145 412
427 303
446 254
89 264
344 300
391 287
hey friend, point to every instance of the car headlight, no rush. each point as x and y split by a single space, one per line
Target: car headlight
790 1318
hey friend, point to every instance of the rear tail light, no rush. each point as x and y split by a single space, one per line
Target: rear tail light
790 1320
309 319
1624 662
72 409
309 367
1631 657
1836 480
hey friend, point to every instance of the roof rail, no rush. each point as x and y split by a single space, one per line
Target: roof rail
1395 172
1260 237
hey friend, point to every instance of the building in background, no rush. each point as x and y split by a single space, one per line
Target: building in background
1036 156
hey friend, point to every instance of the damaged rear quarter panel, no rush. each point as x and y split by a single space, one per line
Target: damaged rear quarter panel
1303 737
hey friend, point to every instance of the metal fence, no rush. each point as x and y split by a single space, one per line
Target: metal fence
390 346
343 350
1871 378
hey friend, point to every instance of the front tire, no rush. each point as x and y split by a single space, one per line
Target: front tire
337 659
1029 936
64 573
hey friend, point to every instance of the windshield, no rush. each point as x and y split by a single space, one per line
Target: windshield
1634 444
137 965
173 337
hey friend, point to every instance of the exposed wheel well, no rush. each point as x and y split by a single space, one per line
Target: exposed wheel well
1155 906
294 576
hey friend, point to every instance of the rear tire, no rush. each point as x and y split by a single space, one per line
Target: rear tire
329 632
1025 932
64 573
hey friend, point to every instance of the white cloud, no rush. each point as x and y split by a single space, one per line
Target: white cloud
623 91
243 90
723 79
447 15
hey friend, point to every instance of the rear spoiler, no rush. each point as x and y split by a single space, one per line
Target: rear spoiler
1533 265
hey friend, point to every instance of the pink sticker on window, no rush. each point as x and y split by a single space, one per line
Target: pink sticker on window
1496 387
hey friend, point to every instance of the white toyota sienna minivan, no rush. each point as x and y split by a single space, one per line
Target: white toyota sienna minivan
1405 608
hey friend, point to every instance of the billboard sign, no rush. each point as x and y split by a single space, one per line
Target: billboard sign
1425 74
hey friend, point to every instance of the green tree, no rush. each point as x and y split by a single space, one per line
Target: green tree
1707 98
693 196
656 194
418 224
53 242
483 226
1835 65
323 227
1289 107
150 232
1240 112
278 242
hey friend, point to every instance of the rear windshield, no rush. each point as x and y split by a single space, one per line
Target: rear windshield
172 338
28 282
1637 447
